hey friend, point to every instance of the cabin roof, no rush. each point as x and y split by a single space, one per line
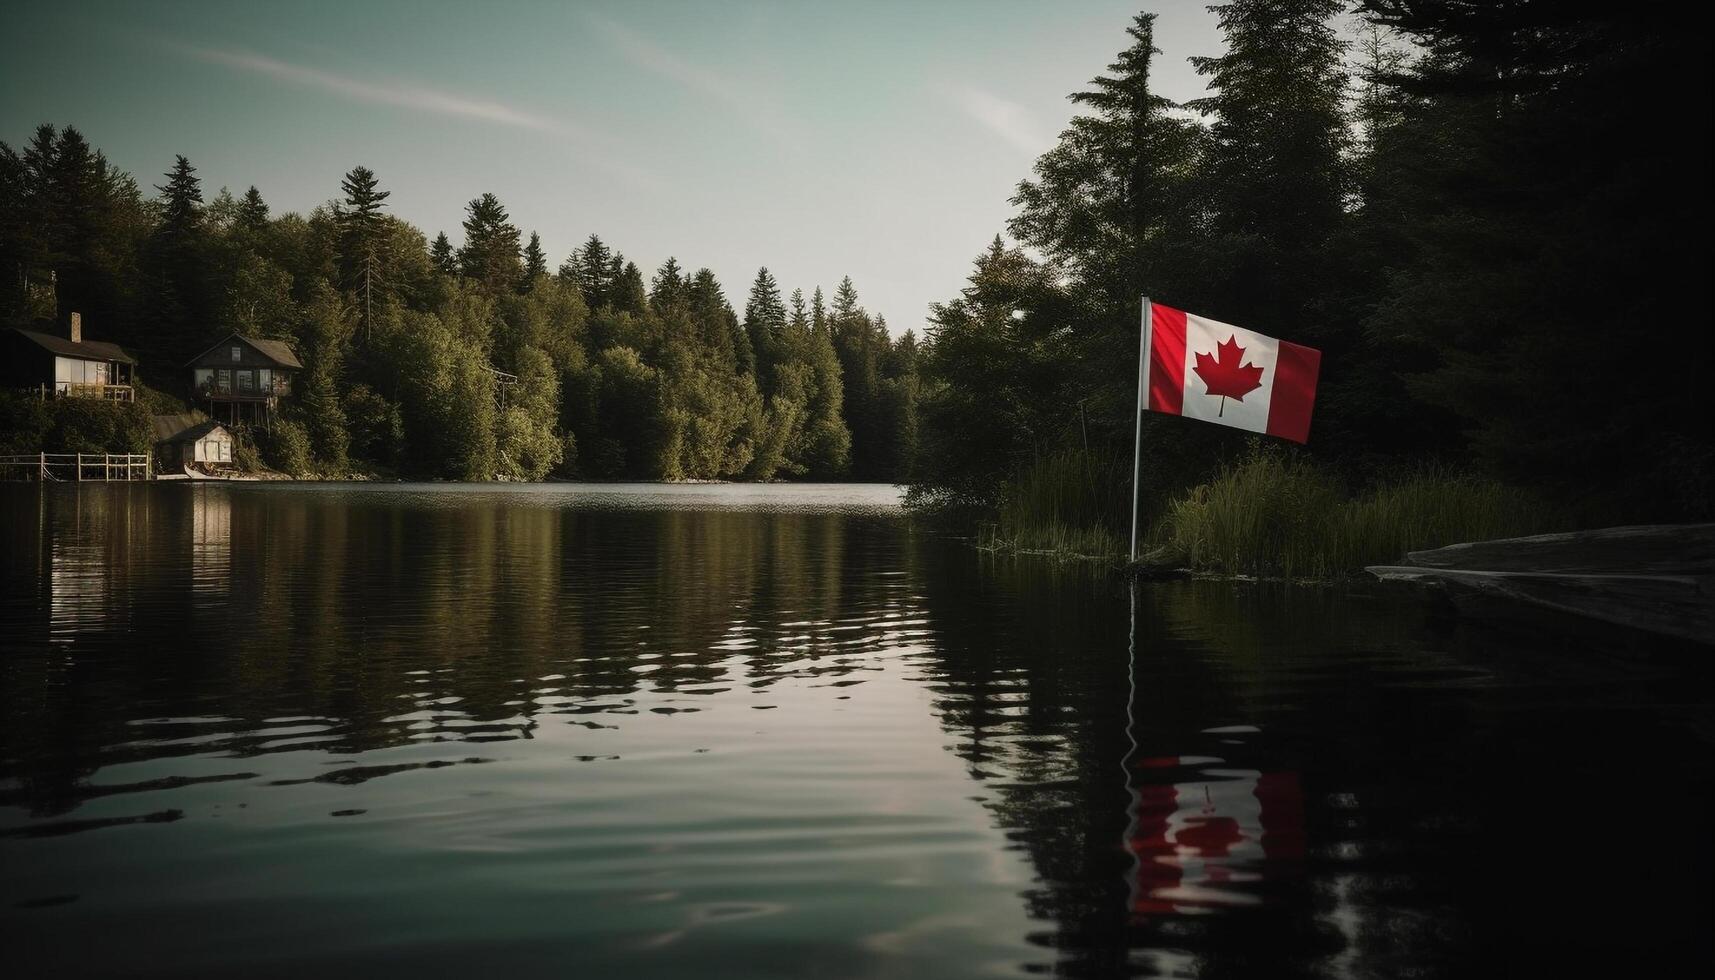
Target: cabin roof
184 427
88 350
277 351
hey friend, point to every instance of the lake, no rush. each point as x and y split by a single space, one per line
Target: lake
786 731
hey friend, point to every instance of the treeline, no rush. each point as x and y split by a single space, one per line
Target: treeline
1487 216
472 363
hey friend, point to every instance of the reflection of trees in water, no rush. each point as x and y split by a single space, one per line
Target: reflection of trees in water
361 625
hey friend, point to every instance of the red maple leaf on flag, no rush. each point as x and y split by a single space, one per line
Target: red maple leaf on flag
1222 374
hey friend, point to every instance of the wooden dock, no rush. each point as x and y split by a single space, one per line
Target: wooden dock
77 467
1658 578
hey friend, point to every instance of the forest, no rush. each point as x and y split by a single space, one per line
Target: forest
1487 217
474 363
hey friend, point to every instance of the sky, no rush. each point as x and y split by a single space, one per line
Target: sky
878 140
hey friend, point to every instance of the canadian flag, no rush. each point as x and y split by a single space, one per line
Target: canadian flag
1214 371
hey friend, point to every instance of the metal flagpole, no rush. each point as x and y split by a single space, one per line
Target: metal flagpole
1137 421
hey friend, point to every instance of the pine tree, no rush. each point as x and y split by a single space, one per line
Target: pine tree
252 211
181 304
571 273
594 272
361 239
764 321
722 337
181 204
800 317
1277 164
818 313
441 255
629 295
490 253
669 288
535 264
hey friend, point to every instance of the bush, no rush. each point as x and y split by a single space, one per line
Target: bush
29 424
286 447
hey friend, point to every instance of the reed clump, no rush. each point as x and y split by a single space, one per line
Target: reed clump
1277 517
1072 504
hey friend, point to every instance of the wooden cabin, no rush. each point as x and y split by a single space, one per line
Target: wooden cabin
191 440
66 365
243 377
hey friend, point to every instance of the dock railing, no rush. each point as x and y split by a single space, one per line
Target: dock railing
77 467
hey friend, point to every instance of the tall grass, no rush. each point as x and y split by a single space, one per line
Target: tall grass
1275 517
1073 504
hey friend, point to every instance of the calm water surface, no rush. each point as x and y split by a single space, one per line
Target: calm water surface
742 731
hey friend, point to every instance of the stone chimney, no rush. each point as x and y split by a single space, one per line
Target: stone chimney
77 328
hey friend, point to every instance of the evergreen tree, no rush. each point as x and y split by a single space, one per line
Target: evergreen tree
670 286
326 333
764 322
1276 167
535 264
361 238
252 211
628 294
571 273
718 328
800 317
180 300
490 253
594 272
181 203
818 313
441 255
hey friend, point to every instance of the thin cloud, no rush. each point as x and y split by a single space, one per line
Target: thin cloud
652 57
1007 120
392 93
596 150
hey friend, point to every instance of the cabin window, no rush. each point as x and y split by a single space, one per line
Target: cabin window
204 378
223 380
237 354
75 371
264 378
247 381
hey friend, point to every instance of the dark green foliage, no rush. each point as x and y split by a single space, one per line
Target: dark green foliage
252 211
535 264
327 330
628 294
285 446
490 253
376 426
670 287
420 359
1472 241
1538 191
29 424
441 256
590 269
362 238
764 324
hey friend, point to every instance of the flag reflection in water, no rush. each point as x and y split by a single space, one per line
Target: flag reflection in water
1210 842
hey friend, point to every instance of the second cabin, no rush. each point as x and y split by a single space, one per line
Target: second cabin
243 378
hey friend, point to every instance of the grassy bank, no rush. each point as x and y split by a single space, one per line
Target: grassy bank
1269 516
1073 505
1280 518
